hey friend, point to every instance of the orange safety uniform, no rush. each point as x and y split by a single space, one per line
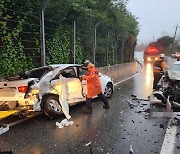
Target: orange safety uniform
93 82
161 66
159 69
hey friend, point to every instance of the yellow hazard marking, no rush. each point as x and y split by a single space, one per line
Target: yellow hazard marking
4 114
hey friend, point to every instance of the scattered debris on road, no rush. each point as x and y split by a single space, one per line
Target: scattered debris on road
131 149
90 148
3 129
64 123
178 147
132 104
176 121
134 97
88 144
161 126
177 135
121 112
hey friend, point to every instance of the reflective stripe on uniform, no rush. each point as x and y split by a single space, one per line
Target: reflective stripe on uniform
156 69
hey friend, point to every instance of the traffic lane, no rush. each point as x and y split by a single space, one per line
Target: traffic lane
106 131
149 132
142 84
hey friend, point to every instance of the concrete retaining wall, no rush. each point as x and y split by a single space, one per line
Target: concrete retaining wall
120 72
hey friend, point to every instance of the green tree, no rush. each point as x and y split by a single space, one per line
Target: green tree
20 36
165 41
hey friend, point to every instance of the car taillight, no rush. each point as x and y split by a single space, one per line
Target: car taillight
22 89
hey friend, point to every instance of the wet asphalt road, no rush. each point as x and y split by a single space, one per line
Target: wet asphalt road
111 131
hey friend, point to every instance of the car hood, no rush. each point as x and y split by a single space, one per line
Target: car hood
174 75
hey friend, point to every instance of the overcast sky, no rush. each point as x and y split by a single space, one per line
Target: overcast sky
156 18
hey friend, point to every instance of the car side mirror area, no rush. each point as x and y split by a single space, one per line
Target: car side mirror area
99 74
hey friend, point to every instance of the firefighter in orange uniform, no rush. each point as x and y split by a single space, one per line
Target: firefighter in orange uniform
159 69
93 87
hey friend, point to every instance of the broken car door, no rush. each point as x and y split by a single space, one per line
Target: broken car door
74 85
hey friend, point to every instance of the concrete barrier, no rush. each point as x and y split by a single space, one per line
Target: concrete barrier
121 71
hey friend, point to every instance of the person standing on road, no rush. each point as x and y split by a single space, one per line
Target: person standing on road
93 87
159 69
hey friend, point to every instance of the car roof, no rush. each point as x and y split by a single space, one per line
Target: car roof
53 66
62 66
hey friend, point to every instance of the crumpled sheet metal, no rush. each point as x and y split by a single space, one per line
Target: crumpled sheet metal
63 97
44 86
154 100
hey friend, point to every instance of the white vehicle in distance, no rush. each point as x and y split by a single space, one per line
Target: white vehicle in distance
18 93
175 55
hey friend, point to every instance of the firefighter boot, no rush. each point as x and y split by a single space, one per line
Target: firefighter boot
88 109
106 105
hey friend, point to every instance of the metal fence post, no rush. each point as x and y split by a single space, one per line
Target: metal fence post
116 48
42 33
94 54
122 50
74 39
107 48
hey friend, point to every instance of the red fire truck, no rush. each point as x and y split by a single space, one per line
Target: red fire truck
151 54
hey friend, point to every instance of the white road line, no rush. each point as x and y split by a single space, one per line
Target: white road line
169 139
126 79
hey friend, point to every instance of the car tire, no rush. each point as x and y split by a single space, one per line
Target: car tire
52 106
108 91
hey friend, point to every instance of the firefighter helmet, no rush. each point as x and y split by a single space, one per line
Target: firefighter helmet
86 62
162 55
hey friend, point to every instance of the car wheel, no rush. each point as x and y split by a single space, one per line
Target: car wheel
52 106
108 90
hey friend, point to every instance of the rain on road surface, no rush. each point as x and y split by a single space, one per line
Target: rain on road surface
114 131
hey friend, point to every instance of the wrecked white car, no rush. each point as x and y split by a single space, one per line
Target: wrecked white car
169 92
51 89
174 71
